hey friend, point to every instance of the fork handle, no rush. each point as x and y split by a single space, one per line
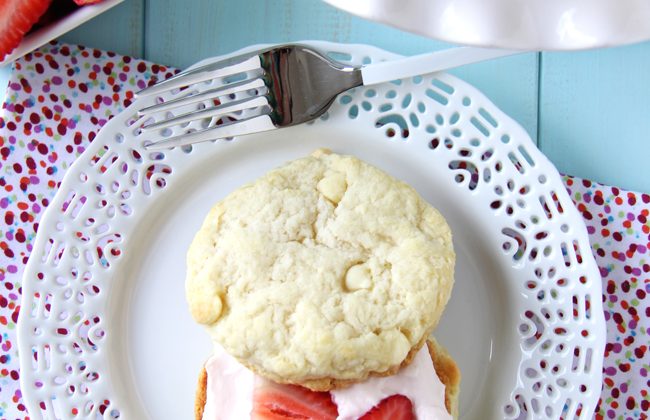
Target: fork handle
428 63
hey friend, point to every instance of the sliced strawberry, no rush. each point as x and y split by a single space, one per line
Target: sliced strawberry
16 18
57 10
85 2
395 407
273 401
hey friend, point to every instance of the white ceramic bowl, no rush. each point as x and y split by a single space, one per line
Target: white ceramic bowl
514 24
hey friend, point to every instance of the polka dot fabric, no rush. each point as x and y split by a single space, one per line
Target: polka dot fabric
58 98
61 95
618 223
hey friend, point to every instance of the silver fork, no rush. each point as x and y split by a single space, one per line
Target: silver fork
283 86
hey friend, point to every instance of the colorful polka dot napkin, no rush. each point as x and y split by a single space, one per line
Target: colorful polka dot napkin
61 95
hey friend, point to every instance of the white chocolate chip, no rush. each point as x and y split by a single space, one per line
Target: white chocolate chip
396 345
319 153
208 310
358 277
333 186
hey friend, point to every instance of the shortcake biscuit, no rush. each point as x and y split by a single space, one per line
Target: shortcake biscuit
322 272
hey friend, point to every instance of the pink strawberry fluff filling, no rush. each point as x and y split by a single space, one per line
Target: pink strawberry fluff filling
230 388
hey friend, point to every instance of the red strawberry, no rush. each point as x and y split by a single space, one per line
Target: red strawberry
273 401
85 2
16 18
395 407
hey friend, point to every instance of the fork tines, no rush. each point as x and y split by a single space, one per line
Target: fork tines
254 106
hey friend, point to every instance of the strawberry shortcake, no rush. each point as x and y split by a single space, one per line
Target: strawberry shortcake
320 284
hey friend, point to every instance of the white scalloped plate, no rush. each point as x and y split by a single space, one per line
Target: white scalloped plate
104 315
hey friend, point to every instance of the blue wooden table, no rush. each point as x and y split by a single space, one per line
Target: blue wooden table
589 112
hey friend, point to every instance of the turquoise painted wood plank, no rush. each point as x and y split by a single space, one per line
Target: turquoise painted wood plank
5 74
119 29
595 114
180 35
